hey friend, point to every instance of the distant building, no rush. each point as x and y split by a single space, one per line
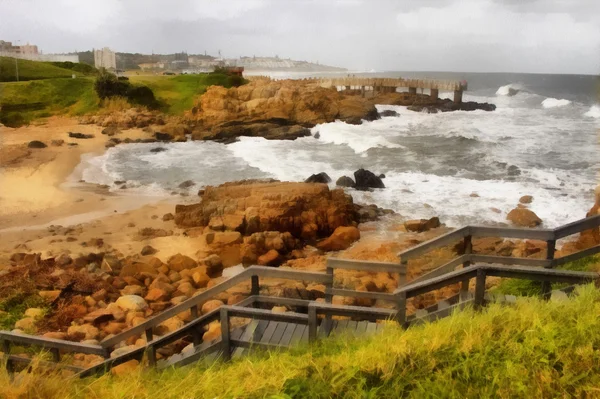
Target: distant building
31 52
151 65
105 58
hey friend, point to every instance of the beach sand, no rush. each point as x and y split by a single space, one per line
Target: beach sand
34 194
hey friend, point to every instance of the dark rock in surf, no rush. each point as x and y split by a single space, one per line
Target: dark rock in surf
366 179
319 178
345 181
158 149
163 136
317 135
388 112
382 176
80 135
186 184
36 144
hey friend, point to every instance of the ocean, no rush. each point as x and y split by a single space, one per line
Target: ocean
542 140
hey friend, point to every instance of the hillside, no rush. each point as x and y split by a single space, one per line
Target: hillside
276 63
34 70
532 349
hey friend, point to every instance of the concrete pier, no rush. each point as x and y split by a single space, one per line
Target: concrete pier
434 93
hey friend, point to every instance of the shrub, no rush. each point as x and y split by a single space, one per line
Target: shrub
141 95
107 85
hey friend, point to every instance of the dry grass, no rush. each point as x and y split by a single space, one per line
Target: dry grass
532 349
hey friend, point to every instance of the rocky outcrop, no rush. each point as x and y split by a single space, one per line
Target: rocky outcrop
305 210
345 181
341 239
366 179
273 109
318 178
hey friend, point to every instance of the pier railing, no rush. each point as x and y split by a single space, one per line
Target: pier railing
475 266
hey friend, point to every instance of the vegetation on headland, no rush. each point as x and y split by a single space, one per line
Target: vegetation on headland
531 349
34 70
24 102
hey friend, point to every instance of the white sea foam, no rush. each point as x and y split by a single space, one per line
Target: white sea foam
509 90
554 102
360 138
593 112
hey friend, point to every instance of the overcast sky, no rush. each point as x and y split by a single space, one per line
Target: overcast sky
552 36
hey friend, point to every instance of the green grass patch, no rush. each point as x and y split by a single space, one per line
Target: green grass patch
177 93
530 350
13 307
34 70
23 102
534 288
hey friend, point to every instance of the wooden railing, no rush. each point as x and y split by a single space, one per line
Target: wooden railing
474 266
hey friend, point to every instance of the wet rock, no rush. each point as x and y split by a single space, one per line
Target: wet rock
526 199
317 135
345 181
158 149
36 144
524 218
111 130
131 302
342 238
513 171
148 250
167 217
186 184
422 225
366 179
80 135
180 262
389 112
319 178
163 136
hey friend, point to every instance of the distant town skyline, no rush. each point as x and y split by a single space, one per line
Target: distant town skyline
536 36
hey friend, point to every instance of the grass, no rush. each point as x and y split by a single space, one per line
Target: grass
23 102
34 70
533 288
177 93
14 306
529 350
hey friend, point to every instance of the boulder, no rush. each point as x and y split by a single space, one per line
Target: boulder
211 305
157 295
36 144
186 184
345 181
200 279
158 149
213 332
36 313
422 225
181 262
526 199
342 238
213 265
82 332
111 130
524 218
163 136
271 258
131 302
168 216
148 250
99 316
80 136
26 324
366 179
389 112
319 178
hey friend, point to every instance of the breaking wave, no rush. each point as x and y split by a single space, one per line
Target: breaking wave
593 112
554 102
508 90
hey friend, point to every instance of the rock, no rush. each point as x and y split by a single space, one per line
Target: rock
82 332
495 210
389 112
422 225
163 136
211 305
26 324
317 135
111 130
169 325
99 316
167 217
36 144
148 250
271 258
213 264
158 149
214 332
131 302
524 218
133 290
186 184
316 211
63 260
200 279
180 262
157 295
35 313
55 335
366 179
279 309
49 296
57 143
345 181
342 238
80 136
125 369
474 195
135 266
319 178
526 199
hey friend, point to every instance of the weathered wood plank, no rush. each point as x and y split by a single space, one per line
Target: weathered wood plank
282 301
278 333
266 338
448 267
49 343
260 330
360 294
361 327
577 255
266 314
508 260
298 334
288 333
351 326
43 363
353 311
441 241
371 328
512 232
577 227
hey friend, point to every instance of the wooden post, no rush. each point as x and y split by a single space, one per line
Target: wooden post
194 312
151 354
55 354
255 290
9 364
412 90
464 285
362 90
402 277
546 285
347 87
312 323
401 309
225 343
434 94
479 288
458 94
149 335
